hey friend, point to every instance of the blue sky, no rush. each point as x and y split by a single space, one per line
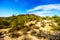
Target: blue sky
38 7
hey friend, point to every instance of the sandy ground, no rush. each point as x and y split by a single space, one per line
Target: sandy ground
24 37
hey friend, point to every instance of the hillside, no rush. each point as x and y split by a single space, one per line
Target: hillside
33 26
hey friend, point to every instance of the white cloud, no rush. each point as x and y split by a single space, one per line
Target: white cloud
41 13
45 9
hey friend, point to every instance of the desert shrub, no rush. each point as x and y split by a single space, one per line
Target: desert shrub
14 35
33 33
